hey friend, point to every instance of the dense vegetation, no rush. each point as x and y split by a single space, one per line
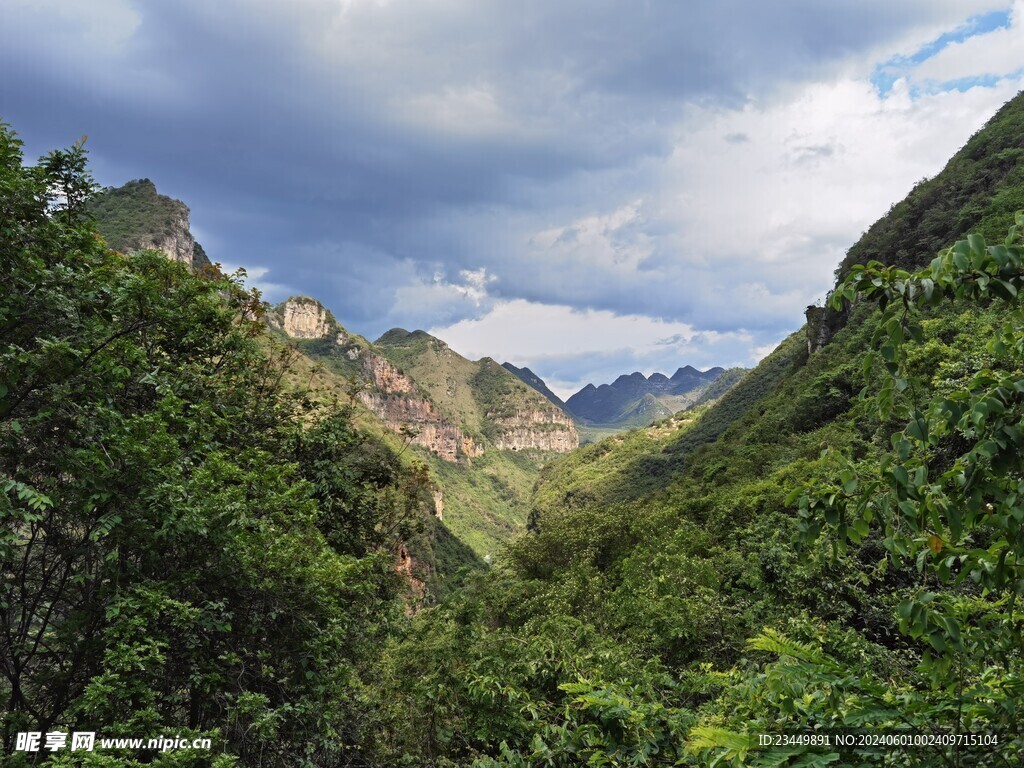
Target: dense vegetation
832 545
687 587
186 548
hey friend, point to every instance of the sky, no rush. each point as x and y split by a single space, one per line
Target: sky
584 187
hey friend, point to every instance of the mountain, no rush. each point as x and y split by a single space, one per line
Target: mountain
635 400
483 433
136 217
531 379
385 390
489 402
795 557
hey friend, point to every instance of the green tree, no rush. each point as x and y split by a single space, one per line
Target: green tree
947 502
175 557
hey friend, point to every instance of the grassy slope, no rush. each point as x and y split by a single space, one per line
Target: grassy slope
444 375
487 499
486 502
466 391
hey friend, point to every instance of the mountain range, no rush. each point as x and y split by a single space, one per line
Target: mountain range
640 400
484 430
830 546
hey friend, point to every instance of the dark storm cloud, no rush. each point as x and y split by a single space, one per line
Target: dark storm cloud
353 148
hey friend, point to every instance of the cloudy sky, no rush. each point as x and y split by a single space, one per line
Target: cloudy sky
585 187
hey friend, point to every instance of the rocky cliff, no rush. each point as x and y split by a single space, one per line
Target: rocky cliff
822 324
538 429
302 317
488 400
390 394
136 217
443 402
394 398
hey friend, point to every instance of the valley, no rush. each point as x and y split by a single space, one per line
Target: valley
249 523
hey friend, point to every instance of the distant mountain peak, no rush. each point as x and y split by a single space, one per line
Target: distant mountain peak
686 370
400 336
630 399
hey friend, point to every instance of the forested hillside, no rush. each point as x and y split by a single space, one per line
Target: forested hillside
189 546
197 543
833 545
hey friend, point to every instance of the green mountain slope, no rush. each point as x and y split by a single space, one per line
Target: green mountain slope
531 379
483 433
486 399
977 191
661 603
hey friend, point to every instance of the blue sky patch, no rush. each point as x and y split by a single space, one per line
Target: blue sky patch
888 72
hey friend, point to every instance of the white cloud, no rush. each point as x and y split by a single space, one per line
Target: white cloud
459 110
439 299
614 241
541 335
521 329
999 52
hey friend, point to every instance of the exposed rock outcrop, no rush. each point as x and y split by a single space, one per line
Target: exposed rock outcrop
537 429
178 244
410 570
136 217
386 377
423 422
302 317
395 399
822 324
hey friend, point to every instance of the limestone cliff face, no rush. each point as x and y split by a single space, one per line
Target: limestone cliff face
301 317
395 400
135 217
537 429
177 242
386 377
